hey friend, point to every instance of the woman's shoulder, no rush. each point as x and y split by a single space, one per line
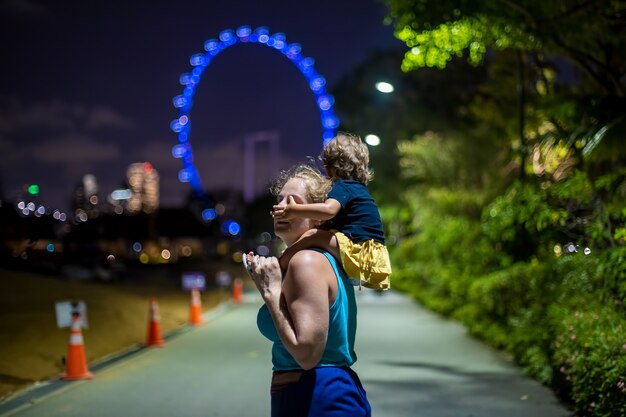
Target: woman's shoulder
307 263
309 266
307 257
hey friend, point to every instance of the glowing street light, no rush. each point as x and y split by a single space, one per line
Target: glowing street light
372 140
384 87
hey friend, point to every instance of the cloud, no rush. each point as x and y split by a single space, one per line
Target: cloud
58 115
105 117
74 149
16 116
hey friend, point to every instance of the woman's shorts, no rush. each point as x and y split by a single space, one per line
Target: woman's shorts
366 261
324 391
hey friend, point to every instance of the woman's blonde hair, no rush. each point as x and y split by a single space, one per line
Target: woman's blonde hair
316 185
348 156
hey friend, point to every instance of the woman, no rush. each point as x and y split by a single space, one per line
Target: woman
309 315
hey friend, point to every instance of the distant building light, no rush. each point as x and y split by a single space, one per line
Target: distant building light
124 194
208 214
231 227
33 189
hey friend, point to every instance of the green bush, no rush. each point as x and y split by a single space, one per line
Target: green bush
589 348
612 273
590 355
507 271
437 264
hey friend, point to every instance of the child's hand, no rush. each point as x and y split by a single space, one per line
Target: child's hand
278 211
285 212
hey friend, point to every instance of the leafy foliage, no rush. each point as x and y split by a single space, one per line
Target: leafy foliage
441 29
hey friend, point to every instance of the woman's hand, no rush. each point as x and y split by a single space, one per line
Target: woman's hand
266 274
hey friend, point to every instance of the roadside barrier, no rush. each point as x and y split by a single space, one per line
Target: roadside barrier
154 337
195 310
76 361
237 291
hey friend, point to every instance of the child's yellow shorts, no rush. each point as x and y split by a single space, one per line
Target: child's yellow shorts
367 261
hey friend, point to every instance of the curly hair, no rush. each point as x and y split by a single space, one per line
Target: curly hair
348 156
317 186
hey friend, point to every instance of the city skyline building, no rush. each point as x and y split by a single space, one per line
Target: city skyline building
143 182
85 199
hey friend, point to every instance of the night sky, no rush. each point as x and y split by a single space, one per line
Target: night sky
87 87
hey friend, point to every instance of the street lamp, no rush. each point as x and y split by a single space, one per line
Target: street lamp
384 87
372 140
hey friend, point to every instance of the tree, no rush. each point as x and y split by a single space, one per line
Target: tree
570 57
587 33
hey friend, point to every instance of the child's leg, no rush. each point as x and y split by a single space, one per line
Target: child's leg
314 238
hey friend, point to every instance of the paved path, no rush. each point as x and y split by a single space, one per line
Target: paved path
415 363
411 362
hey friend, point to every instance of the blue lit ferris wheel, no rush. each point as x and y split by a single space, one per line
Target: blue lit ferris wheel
190 80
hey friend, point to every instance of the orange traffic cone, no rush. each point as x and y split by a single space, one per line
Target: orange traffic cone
154 326
76 362
195 311
237 290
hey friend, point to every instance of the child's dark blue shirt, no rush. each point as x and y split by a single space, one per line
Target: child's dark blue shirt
358 218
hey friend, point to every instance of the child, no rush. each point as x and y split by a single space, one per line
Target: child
353 231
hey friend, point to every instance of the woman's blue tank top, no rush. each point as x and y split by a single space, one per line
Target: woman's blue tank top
339 349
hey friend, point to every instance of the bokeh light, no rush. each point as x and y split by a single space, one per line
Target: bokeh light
372 140
384 87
